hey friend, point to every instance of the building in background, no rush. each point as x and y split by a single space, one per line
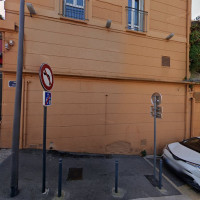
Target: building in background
104 76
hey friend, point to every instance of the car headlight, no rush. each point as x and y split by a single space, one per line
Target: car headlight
194 165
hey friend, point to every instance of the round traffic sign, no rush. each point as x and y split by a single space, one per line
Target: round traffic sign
156 98
46 76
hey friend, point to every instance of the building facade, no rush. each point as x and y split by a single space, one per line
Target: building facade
108 57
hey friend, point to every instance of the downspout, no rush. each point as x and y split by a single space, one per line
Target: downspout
192 117
24 138
188 22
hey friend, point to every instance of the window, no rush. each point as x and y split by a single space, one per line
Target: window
136 15
74 9
166 61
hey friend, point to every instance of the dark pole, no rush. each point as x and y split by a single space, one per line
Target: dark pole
154 160
17 109
44 150
60 179
116 176
160 174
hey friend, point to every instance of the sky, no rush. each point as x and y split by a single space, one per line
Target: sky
2 12
195 8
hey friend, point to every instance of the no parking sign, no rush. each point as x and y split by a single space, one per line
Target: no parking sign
46 98
46 76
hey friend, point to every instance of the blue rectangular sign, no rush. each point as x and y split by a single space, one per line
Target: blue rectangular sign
11 83
46 98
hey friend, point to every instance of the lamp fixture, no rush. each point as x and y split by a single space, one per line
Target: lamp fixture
108 23
171 35
31 9
7 46
11 43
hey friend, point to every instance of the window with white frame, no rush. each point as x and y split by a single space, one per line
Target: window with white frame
74 9
136 15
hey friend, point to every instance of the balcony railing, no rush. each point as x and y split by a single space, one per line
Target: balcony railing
79 12
136 19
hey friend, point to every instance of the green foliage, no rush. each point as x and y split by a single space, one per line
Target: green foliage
195 47
143 153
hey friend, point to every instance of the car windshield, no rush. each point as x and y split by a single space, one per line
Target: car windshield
193 143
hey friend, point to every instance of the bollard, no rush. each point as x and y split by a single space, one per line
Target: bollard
160 174
60 178
116 176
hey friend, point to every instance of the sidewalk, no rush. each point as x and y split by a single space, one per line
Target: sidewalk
96 182
177 197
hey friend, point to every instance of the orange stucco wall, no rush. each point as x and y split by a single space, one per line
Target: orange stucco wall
195 102
104 78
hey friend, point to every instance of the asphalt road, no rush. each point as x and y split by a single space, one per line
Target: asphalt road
95 183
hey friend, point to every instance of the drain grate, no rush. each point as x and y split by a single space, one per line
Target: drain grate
152 180
75 174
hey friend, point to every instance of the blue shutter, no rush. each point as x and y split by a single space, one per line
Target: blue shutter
70 1
80 3
129 12
73 11
136 12
130 3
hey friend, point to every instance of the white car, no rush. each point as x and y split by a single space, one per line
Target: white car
184 157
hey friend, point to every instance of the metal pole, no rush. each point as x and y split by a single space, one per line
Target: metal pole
116 176
154 161
17 109
60 179
44 151
0 94
160 174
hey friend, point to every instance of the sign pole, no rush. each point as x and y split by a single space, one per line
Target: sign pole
156 112
154 161
46 79
44 150
17 109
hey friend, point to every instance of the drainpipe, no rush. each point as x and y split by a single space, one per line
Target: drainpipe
192 117
188 23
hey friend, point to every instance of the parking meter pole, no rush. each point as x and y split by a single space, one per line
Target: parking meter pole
44 151
154 161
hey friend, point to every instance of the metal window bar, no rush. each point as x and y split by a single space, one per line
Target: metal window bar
73 11
136 19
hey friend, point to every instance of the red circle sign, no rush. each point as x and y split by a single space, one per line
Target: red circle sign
46 76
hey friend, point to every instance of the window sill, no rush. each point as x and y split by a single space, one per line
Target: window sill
74 20
137 32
